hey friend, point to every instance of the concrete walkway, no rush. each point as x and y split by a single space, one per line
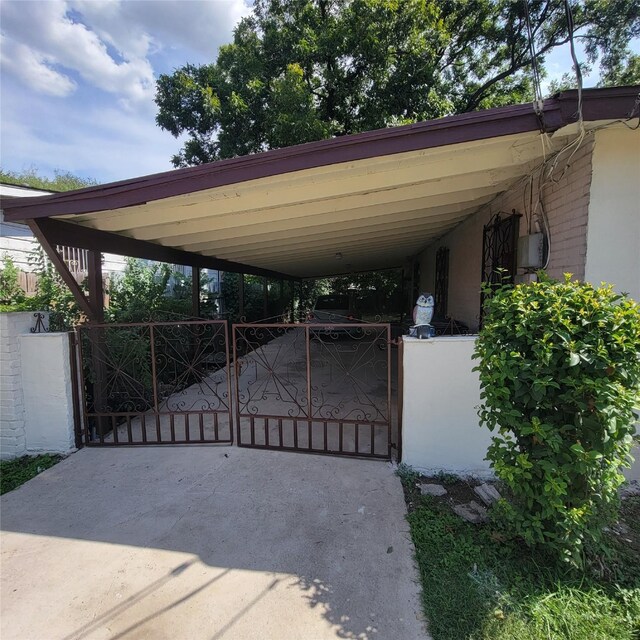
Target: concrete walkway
208 542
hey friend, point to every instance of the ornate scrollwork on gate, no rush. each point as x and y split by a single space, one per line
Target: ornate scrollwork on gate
162 382
118 369
189 364
349 374
271 375
315 387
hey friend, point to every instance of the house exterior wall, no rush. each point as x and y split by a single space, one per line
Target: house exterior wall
17 241
594 220
613 237
566 203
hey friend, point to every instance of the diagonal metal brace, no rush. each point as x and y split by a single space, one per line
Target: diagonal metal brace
62 269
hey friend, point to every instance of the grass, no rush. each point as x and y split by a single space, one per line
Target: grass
14 473
477 587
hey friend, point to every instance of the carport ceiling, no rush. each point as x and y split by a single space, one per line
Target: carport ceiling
350 204
373 212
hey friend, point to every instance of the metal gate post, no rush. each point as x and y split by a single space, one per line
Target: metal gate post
309 407
229 396
390 421
195 292
399 397
73 364
236 397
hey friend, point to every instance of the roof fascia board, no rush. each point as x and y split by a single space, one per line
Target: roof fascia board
436 133
65 233
557 112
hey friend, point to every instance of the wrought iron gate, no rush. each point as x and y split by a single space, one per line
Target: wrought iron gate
317 388
155 383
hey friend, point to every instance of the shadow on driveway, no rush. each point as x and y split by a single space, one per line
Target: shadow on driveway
208 542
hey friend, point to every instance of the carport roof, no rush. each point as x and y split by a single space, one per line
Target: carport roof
353 203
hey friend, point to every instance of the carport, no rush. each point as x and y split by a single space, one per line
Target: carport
364 202
376 198
373 198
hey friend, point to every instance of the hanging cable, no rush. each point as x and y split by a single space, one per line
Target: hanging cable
576 64
537 85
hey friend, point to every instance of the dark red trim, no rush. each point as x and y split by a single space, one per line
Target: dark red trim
75 235
598 104
38 228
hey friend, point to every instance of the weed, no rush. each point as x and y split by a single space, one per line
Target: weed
14 473
408 476
446 478
478 589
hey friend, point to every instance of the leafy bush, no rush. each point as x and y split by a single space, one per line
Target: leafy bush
10 291
138 294
53 295
560 373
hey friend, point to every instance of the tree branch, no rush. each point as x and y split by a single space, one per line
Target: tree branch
476 97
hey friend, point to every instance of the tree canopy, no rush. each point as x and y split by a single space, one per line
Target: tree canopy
61 181
303 70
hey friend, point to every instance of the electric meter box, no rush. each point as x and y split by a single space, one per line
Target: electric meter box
530 251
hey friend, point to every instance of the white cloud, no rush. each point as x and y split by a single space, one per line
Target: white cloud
78 79
33 67
199 25
99 142
109 42
41 32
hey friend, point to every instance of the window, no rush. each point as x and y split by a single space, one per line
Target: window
499 252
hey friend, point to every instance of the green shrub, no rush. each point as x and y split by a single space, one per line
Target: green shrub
10 291
52 294
560 372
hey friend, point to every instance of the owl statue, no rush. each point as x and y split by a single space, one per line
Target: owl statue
422 316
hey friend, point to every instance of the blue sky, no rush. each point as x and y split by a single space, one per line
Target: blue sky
78 79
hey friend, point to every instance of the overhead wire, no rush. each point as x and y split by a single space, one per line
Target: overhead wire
548 169
576 64
537 84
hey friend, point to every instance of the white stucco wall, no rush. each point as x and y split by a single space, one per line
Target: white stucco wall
613 233
440 429
46 380
440 426
36 408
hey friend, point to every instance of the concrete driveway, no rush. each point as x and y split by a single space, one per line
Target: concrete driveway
208 542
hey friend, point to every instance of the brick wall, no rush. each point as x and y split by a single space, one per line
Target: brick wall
13 441
567 205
